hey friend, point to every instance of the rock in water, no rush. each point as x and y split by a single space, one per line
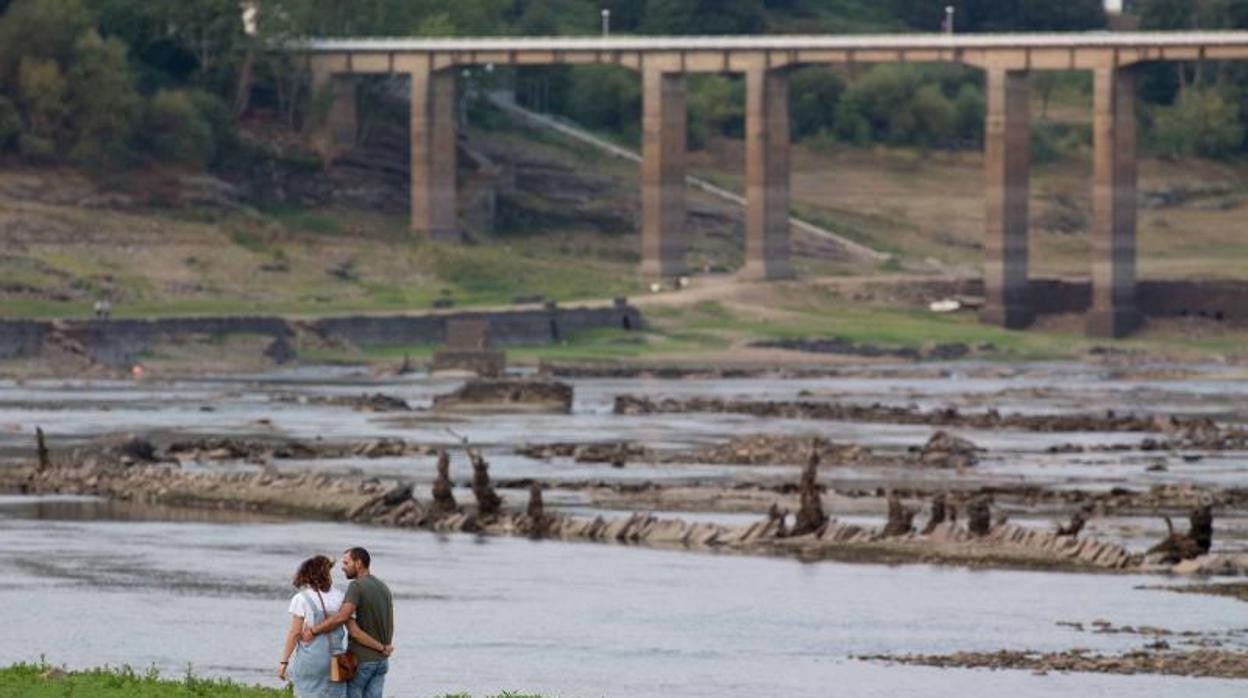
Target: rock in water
945 450
508 395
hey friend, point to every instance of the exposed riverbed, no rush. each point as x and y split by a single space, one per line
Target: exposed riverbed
486 614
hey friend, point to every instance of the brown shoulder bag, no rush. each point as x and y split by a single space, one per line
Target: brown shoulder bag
341 666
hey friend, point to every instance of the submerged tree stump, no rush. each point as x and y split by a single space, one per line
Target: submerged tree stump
979 516
443 498
941 512
900 517
810 516
779 517
41 449
1201 522
1077 521
1196 542
538 522
489 504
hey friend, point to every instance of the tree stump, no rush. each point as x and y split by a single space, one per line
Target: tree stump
41 449
1077 521
810 516
940 513
900 517
1175 547
539 523
488 502
780 517
1201 522
443 498
979 516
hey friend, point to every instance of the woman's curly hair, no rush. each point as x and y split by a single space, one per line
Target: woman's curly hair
314 573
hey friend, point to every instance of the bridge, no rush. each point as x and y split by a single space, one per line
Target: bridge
664 62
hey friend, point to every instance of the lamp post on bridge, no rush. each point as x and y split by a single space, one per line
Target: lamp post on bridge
947 25
606 23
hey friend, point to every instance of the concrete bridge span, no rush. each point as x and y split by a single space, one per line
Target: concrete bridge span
1007 59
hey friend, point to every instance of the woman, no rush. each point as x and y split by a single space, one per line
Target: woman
307 665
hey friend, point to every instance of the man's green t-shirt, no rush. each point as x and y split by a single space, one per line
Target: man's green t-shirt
374 611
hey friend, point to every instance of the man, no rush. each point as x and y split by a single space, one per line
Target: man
369 600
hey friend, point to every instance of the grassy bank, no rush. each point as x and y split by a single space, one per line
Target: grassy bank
721 330
45 681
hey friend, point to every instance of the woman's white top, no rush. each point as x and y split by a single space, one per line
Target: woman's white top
300 605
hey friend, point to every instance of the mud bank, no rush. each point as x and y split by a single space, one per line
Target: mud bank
1210 663
394 503
942 450
1188 432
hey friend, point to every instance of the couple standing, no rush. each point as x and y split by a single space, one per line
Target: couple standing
320 618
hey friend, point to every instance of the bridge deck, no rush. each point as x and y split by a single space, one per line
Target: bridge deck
732 53
1067 40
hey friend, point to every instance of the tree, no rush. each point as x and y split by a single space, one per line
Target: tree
177 131
40 29
814 93
42 90
1003 15
10 124
1202 122
102 100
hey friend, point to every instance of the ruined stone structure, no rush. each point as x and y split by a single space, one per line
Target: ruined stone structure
664 63
469 348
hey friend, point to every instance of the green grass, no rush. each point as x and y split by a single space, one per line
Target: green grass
45 681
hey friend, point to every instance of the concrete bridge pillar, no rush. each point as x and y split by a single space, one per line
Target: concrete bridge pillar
334 130
1007 160
1113 312
433 133
663 238
767 175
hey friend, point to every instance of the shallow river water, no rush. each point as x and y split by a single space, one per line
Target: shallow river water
89 583
483 615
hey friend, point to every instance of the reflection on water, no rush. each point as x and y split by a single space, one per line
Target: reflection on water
567 619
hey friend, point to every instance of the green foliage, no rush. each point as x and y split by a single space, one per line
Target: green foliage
40 29
716 106
703 17
1003 15
176 129
42 89
10 124
968 107
909 105
103 103
36 149
605 98
814 95
1202 122
43 681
